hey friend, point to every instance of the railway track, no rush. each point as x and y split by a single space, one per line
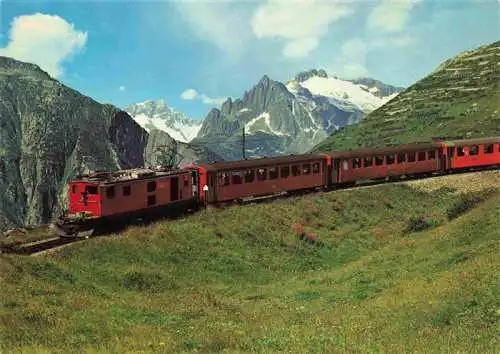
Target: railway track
43 246
32 248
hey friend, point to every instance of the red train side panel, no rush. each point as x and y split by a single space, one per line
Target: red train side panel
251 178
365 164
473 153
84 197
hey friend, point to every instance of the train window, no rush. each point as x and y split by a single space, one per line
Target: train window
110 192
285 172
126 190
151 186
236 177
411 157
389 158
151 200
223 179
379 160
315 168
249 176
368 161
186 181
432 155
474 150
295 170
306 168
74 189
273 172
421 156
261 174
91 189
460 151
356 162
401 157
488 149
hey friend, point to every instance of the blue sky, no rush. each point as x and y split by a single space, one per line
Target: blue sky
193 54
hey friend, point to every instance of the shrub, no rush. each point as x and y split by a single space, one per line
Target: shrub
417 224
464 205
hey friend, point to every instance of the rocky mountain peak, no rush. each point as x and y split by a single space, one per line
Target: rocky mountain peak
158 115
376 87
227 106
304 75
265 80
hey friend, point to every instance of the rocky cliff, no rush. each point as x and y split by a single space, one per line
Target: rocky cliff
49 133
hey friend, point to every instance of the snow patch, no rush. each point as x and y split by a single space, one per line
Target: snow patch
180 132
267 122
344 93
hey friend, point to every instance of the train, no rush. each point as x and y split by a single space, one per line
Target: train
103 199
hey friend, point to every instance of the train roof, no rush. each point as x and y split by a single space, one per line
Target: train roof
129 175
475 141
264 161
385 150
412 147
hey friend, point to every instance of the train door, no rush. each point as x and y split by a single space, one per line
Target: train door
211 193
336 171
174 188
441 162
195 182
450 157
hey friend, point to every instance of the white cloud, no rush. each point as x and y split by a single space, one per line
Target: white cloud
390 15
121 88
189 94
354 70
192 94
353 56
354 51
44 40
301 23
300 48
221 23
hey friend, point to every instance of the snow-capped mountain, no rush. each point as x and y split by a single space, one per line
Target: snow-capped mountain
157 114
365 94
292 118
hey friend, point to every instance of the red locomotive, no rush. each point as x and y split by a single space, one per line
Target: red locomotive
117 197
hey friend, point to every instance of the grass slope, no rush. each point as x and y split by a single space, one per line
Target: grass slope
461 98
405 268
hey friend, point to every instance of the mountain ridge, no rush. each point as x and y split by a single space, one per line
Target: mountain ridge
156 114
288 118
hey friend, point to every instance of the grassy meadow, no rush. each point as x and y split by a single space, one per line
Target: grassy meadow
401 268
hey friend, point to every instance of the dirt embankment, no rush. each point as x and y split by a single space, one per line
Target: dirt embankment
462 183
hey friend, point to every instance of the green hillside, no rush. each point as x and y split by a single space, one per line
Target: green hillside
402 268
459 99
